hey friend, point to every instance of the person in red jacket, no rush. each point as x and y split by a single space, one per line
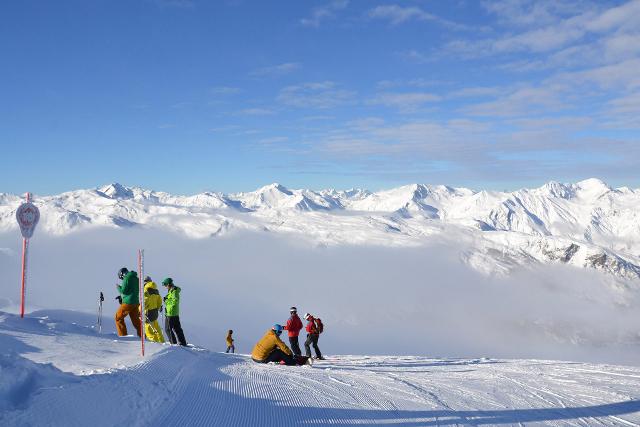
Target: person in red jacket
312 337
293 327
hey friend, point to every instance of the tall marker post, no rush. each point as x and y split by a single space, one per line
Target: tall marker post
141 285
28 216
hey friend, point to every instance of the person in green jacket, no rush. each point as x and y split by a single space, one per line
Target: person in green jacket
130 301
172 313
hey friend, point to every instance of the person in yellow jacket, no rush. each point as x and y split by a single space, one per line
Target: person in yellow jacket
271 348
230 340
152 305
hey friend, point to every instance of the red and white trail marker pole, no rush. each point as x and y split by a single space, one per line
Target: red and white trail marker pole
141 284
28 216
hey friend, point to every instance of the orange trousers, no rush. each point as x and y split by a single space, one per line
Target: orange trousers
133 312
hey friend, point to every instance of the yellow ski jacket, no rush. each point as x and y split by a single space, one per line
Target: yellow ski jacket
267 344
152 298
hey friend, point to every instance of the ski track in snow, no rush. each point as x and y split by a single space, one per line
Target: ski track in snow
53 374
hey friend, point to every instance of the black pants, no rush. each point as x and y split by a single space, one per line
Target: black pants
173 329
232 348
295 347
276 356
312 339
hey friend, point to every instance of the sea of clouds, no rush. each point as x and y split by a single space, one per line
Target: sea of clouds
373 300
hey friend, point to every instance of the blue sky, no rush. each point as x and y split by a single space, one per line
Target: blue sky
189 95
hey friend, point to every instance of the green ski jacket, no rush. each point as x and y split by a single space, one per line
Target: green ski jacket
130 288
172 302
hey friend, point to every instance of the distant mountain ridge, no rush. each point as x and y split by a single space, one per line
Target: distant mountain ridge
586 224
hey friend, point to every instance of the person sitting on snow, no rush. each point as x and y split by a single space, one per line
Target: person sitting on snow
172 312
152 304
270 348
129 293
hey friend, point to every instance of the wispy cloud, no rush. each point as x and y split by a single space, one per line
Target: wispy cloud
404 101
276 70
224 90
322 13
257 111
396 15
320 95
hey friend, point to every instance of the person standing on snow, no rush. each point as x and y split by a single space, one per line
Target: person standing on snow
312 336
293 327
172 312
230 345
270 348
129 294
152 305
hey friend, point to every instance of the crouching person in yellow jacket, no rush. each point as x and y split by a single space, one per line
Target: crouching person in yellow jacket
152 305
270 348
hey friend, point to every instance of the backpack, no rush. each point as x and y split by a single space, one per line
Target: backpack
319 326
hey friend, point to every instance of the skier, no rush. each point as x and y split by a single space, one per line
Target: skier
293 327
312 336
172 312
152 305
230 340
270 348
129 290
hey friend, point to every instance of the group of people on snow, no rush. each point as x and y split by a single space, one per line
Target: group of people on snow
129 298
271 348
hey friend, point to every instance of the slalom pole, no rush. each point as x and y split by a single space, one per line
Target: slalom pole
140 283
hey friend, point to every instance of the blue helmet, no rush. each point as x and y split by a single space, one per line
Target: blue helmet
277 328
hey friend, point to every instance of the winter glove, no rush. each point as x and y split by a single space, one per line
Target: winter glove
119 299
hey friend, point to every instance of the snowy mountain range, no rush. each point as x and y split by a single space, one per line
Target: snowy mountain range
585 224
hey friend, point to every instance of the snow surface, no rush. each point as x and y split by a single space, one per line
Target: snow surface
586 224
54 371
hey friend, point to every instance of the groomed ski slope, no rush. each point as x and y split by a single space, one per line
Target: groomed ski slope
57 373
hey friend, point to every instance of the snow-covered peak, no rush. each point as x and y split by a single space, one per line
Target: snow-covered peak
116 191
591 188
556 190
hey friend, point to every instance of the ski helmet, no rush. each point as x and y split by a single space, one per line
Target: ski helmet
147 279
168 281
122 272
307 316
293 310
277 329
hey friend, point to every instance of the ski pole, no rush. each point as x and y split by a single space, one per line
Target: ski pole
100 312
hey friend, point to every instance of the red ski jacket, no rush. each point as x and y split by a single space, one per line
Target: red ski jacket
293 326
311 326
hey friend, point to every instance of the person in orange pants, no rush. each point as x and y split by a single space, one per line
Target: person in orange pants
129 290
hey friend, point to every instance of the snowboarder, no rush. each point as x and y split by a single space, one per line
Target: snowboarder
270 348
230 340
313 333
172 312
293 327
129 290
152 305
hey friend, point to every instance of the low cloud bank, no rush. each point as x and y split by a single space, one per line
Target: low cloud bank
413 301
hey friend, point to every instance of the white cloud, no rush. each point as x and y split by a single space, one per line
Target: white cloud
224 90
315 95
276 70
319 14
396 15
256 112
407 101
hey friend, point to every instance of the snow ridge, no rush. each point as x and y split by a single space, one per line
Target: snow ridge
586 224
